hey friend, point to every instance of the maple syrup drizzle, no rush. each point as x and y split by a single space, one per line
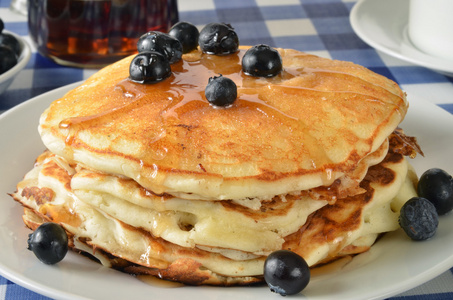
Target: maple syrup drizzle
184 88
183 92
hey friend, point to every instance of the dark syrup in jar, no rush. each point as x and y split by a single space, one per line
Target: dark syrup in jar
95 33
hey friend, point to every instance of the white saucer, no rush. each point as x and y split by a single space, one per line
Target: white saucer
382 24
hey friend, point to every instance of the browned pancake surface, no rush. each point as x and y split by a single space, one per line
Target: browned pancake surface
314 121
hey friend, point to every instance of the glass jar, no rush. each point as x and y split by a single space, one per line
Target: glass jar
95 33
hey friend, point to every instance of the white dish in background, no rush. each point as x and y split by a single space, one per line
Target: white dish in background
395 264
7 78
429 27
382 24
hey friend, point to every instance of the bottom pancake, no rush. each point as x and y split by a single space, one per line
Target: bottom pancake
99 223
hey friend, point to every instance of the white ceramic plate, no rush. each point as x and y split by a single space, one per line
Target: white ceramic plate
393 265
382 24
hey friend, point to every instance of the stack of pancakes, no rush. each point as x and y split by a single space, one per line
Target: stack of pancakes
152 179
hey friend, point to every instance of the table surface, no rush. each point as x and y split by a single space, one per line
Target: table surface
320 27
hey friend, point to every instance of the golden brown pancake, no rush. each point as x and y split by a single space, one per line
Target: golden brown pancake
348 227
310 125
152 179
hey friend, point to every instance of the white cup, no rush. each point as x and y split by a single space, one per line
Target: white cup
430 27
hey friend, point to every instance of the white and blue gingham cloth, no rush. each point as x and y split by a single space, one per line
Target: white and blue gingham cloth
320 27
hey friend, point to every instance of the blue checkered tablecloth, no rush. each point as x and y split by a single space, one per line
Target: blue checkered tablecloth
320 27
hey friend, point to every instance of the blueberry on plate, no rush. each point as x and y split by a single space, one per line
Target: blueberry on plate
221 91
161 42
8 59
149 67
286 272
262 61
49 242
219 39
419 219
436 185
187 34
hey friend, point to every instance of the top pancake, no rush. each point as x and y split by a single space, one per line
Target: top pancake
306 127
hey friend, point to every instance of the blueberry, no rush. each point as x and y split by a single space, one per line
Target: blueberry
149 67
162 43
218 38
262 61
7 59
187 34
8 40
419 219
49 242
436 185
221 91
286 272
